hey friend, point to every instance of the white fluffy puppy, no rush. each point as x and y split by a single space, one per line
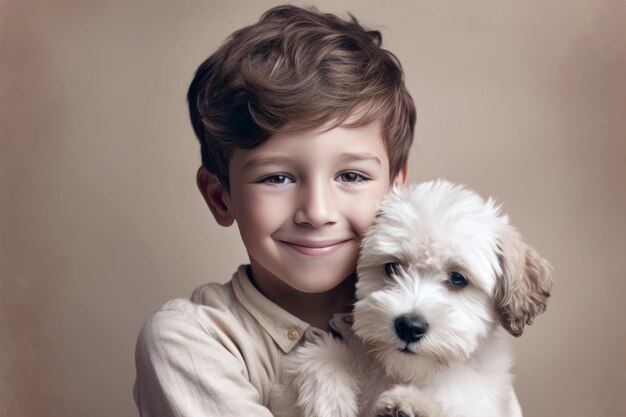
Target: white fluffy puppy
440 274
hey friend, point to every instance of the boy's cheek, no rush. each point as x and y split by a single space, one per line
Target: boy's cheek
363 214
258 211
366 219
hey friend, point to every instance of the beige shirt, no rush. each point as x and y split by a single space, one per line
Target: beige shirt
222 353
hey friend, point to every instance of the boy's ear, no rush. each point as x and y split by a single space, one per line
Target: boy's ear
402 177
216 197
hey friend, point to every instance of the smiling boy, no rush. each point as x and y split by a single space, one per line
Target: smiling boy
304 123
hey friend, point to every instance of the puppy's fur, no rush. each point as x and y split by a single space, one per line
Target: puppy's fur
457 362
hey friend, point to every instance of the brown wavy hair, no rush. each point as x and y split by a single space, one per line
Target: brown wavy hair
298 70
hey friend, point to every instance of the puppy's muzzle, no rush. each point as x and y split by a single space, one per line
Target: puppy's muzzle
410 328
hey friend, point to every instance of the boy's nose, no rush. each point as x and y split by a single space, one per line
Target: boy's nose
316 206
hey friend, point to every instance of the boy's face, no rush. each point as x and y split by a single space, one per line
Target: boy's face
302 201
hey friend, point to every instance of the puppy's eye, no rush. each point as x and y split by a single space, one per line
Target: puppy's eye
457 279
393 268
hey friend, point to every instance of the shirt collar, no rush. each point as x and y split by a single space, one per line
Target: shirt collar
286 329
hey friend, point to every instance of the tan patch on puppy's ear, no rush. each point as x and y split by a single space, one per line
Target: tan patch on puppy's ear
523 290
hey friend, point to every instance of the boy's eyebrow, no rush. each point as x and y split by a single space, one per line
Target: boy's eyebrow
287 160
267 160
358 157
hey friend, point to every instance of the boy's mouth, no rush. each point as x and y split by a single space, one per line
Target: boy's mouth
315 248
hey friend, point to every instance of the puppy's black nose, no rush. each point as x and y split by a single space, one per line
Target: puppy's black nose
410 328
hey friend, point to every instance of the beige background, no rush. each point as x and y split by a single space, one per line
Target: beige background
101 222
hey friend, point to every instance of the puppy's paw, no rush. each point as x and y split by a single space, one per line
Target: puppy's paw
406 401
391 410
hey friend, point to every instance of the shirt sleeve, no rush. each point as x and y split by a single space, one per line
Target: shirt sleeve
184 371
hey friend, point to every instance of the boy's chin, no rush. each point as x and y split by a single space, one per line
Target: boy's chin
308 279
315 285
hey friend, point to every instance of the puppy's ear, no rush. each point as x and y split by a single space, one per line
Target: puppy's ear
524 287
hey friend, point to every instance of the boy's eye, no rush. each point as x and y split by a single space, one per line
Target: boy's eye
351 177
277 179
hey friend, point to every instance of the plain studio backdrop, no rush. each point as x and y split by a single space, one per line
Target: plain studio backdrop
101 221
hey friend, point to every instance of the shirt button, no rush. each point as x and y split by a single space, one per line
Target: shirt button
293 334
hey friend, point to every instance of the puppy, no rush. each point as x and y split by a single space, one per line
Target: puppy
441 276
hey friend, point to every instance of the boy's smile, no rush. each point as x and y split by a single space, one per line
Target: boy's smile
313 248
302 201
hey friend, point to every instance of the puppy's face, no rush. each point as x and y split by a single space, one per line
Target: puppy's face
431 273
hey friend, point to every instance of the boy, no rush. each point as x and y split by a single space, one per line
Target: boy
304 124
